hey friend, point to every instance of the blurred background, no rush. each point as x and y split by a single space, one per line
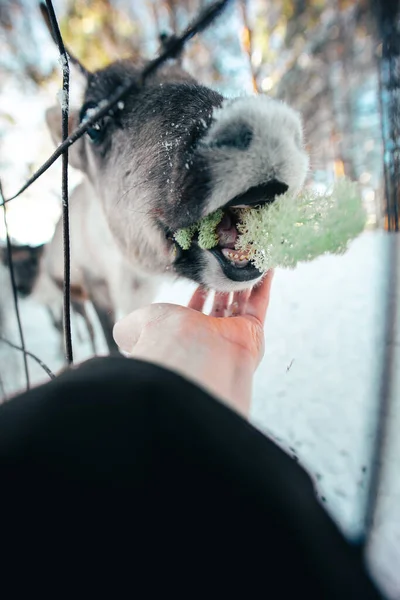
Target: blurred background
318 56
316 391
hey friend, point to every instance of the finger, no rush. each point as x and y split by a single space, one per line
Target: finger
198 299
239 302
220 304
259 298
127 331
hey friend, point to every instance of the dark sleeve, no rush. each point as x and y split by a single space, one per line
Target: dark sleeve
130 467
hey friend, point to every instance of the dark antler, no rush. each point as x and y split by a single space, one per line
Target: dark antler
72 58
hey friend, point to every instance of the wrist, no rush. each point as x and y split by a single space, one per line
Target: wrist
223 371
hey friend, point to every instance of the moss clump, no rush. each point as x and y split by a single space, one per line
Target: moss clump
206 228
184 236
292 229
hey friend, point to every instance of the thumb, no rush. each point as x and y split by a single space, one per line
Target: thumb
128 330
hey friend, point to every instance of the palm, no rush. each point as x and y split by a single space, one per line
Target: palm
246 312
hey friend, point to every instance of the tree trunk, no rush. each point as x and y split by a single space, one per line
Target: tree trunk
388 24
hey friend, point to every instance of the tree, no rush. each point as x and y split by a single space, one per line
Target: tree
388 19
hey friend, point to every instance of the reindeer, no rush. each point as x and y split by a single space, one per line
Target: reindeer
172 152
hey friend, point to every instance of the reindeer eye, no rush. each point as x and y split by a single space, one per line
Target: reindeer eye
96 131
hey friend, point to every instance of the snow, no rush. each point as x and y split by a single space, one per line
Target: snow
62 97
30 142
63 62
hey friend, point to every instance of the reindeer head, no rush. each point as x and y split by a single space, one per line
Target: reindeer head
26 263
172 152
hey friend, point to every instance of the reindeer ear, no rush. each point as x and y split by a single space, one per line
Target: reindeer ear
76 152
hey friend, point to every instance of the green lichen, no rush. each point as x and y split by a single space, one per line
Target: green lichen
292 229
206 228
184 236
299 229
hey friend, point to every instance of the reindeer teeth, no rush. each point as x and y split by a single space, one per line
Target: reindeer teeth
237 258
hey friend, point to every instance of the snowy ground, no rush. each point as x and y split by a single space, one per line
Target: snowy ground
316 389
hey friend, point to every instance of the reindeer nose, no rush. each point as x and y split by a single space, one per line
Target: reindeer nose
235 135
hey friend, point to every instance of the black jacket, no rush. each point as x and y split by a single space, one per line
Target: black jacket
120 473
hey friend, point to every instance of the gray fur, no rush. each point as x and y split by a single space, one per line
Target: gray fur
171 153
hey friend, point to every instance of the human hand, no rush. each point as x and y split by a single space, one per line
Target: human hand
219 352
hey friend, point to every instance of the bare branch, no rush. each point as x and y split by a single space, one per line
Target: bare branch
247 42
30 354
64 185
58 39
14 287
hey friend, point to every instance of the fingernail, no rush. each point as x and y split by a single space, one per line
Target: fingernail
234 309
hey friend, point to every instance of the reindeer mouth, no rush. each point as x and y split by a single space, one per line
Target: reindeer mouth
236 264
